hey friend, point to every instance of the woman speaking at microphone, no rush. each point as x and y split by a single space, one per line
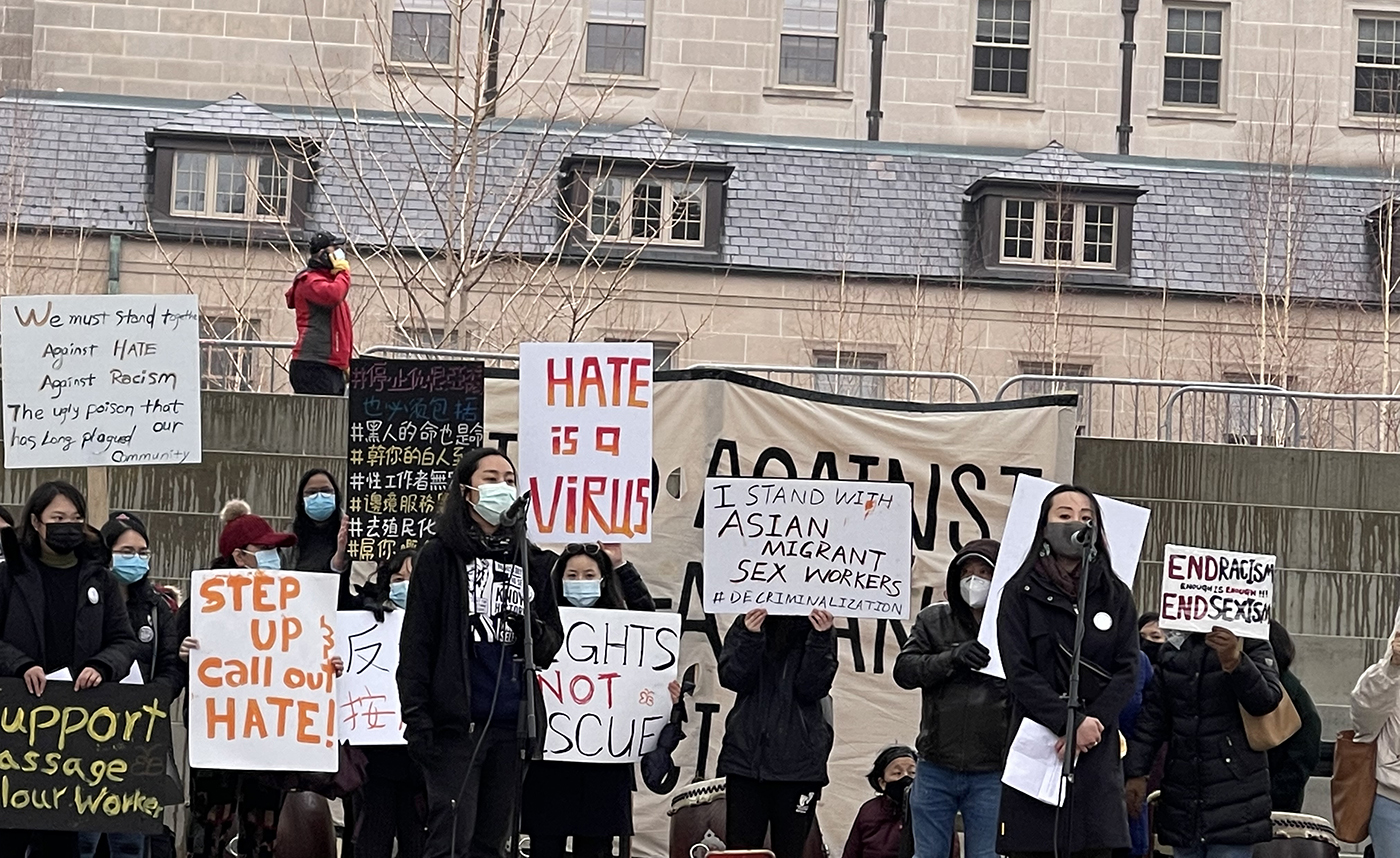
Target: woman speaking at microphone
1035 631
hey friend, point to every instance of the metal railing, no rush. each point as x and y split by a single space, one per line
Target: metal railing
1332 421
495 358
898 384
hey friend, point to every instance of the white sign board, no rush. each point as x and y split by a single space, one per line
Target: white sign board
1124 526
585 440
367 695
1203 588
100 380
606 693
262 689
793 546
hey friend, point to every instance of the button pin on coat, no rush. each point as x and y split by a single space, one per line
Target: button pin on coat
92 595
1102 621
146 634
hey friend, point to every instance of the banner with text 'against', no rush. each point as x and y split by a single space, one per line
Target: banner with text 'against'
961 461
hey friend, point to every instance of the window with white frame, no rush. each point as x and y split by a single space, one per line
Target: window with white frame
864 386
1377 65
617 38
646 210
810 43
1193 57
421 33
1001 49
231 186
1051 232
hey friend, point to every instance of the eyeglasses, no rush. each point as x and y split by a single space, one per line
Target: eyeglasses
592 549
144 553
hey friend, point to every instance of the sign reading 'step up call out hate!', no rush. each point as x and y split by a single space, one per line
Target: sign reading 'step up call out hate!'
100 380
793 546
1203 588
585 440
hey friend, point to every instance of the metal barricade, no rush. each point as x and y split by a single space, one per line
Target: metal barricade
250 366
493 358
893 384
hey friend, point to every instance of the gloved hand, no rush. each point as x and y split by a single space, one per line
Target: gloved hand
971 655
339 262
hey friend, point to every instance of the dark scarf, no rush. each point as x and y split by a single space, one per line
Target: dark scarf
1050 570
316 544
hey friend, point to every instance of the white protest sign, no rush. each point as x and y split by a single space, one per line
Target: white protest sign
793 546
606 693
585 440
1124 526
1203 588
262 689
100 380
368 693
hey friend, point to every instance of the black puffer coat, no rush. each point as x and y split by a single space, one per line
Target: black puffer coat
1215 789
778 729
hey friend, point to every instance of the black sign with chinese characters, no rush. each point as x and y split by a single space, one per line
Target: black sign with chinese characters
410 423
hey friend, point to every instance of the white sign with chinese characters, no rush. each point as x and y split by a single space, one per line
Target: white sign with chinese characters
368 695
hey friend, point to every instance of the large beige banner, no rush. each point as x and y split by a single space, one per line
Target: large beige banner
962 462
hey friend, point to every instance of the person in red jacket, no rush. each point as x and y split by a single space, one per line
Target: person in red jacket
324 332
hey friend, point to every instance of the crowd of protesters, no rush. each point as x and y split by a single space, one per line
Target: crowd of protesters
1162 713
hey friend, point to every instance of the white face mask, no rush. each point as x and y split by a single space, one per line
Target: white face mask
975 590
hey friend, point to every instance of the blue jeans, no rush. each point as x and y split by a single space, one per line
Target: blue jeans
934 801
120 844
1385 827
1214 850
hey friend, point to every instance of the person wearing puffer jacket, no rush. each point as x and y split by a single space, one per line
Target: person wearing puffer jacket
1375 716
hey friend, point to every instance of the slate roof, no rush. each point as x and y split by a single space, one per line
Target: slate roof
651 142
813 207
235 116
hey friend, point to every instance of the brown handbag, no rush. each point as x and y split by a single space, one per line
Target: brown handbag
1353 787
1266 732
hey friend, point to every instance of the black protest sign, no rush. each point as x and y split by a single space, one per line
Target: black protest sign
90 760
410 422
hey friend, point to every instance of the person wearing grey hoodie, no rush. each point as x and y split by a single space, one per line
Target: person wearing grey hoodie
1375 716
963 731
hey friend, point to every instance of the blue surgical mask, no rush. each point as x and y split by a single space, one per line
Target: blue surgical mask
130 568
270 559
319 506
398 593
493 499
583 594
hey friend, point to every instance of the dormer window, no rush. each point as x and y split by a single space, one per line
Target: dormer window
241 187
643 209
1051 232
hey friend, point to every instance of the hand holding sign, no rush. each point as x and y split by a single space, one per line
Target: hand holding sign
1227 646
1205 590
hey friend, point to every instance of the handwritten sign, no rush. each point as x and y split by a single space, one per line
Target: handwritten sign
793 546
368 694
1203 588
606 693
262 689
100 380
85 760
410 423
585 440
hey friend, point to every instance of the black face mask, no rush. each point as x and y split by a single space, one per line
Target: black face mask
1151 648
897 790
64 537
1059 535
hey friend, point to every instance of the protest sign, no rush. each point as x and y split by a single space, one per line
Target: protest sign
96 380
262 689
1203 588
606 693
585 440
1124 525
410 423
793 546
91 760
368 694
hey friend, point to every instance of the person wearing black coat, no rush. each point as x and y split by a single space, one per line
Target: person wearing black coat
1035 633
778 736
591 802
60 610
962 734
1291 764
460 675
1215 793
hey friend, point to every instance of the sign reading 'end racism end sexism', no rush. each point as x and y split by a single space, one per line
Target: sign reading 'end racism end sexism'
793 546
1203 588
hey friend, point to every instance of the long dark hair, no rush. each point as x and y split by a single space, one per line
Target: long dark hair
38 502
611 591
316 540
1101 561
1282 643
455 525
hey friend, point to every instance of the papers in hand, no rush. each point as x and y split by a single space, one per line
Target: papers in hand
1033 767
63 674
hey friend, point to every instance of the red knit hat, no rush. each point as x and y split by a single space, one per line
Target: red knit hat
242 528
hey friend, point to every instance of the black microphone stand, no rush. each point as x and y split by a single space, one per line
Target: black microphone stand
1073 706
527 734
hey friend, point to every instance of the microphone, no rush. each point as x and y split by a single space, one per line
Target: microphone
516 514
1086 536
